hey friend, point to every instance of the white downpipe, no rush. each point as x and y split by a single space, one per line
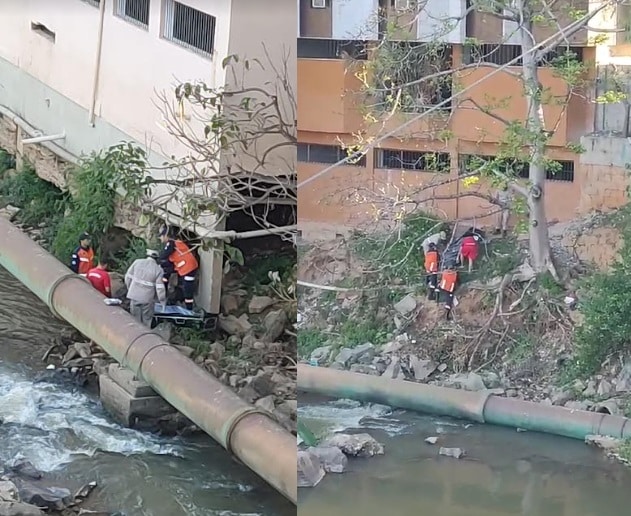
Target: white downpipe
45 138
97 64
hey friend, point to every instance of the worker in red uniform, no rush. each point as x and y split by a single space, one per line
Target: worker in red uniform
100 278
448 283
432 261
177 257
469 248
82 258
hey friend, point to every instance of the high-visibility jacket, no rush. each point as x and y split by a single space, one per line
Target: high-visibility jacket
82 260
183 259
448 281
431 262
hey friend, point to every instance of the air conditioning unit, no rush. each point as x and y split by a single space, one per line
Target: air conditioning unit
318 4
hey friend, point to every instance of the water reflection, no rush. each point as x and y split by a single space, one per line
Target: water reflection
505 473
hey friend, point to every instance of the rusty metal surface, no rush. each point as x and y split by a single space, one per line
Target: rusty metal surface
396 393
258 441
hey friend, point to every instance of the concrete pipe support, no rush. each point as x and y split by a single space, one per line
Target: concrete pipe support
251 434
476 406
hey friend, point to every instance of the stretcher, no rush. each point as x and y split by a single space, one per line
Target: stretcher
183 317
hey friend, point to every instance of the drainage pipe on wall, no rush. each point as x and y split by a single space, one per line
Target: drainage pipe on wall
97 62
251 434
481 407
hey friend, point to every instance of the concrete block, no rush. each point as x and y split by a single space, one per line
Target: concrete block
126 379
127 409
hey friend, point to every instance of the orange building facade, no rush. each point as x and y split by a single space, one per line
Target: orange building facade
330 117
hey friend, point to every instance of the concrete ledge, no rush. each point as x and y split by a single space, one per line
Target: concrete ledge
126 379
127 409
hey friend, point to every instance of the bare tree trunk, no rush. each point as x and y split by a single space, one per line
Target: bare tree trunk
540 254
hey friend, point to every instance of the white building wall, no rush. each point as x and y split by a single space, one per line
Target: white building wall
438 21
354 19
135 63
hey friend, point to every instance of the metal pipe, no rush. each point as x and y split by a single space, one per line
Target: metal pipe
481 406
251 434
44 138
97 64
30 130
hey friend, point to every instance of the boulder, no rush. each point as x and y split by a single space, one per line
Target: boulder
51 498
466 381
8 491
234 325
258 304
356 445
19 509
393 371
320 355
25 469
274 323
310 471
405 305
422 369
266 403
603 442
331 458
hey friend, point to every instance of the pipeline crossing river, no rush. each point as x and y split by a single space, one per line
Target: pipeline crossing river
64 432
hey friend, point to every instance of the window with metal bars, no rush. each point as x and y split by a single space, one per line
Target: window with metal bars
320 48
504 54
189 27
326 154
413 160
95 3
134 11
558 170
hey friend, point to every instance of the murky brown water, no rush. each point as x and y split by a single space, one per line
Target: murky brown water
65 433
506 473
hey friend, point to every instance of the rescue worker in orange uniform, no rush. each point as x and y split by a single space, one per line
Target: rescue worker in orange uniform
82 258
177 257
432 261
448 283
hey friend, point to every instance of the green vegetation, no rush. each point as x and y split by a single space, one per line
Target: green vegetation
606 306
95 184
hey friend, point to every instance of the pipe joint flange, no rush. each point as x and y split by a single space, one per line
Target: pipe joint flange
53 289
130 345
230 425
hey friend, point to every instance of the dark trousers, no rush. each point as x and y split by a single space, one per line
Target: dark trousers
447 298
187 284
432 286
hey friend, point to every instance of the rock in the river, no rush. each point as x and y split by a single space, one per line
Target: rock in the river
431 440
603 442
356 445
19 509
331 458
25 469
8 491
466 381
258 304
51 498
310 471
456 453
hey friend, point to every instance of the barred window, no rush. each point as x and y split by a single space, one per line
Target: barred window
326 154
413 160
558 170
134 11
189 27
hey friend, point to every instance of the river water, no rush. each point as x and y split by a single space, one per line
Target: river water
505 472
65 433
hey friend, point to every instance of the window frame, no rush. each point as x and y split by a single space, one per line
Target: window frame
169 10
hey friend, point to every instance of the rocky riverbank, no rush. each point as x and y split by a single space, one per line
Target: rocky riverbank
25 491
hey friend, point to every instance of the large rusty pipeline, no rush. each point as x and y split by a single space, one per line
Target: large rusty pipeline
251 434
481 406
